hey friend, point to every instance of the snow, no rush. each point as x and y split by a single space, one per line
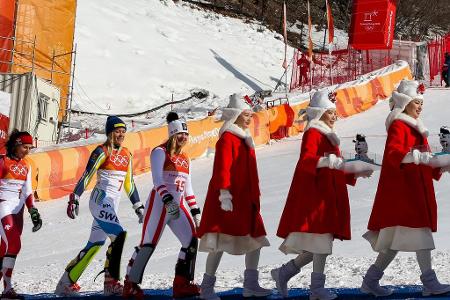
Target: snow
45 253
132 56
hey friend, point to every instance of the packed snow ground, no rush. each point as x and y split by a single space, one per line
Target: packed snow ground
45 253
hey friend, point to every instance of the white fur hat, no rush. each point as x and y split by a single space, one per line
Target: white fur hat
319 104
407 91
234 108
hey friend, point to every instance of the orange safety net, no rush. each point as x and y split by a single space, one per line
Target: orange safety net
50 25
7 8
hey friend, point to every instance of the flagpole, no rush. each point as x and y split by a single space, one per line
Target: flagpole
330 27
285 64
310 50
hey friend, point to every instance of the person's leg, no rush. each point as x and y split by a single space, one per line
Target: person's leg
13 225
371 281
184 230
67 285
283 274
431 285
317 287
155 221
251 284
209 277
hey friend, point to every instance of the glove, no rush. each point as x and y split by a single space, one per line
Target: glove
225 200
195 212
417 157
73 206
35 218
139 210
364 174
425 158
172 208
331 162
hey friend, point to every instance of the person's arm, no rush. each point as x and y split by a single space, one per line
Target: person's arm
27 191
157 159
222 162
96 159
395 149
189 192
309 148
129 186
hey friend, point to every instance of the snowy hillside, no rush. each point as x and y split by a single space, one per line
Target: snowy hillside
132 55
46 252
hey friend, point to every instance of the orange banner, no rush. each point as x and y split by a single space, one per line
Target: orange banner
50 25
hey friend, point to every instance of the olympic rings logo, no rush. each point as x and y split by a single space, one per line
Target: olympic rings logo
119 160
18 170
180 162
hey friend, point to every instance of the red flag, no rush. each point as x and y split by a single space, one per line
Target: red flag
310 43
285 65
330 23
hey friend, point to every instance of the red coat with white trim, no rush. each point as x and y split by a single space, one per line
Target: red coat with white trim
234 169
318 200
405 194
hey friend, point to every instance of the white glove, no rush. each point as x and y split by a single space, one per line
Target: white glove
225 200
364 174
139 210
417 157
172 207
331 162
425 158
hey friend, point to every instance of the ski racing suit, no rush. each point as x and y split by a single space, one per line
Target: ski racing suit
171 175
15 192
114 173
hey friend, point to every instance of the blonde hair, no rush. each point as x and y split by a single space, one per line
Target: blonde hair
172 146
109 144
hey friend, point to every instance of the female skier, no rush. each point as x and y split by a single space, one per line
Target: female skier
15 192
113 164
231 219
168 204
404 212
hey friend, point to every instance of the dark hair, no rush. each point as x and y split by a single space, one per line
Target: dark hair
171 116
11 143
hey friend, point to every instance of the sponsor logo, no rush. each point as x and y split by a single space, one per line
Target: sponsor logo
7 227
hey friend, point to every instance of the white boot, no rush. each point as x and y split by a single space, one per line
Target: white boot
431 285
207 288
371 283
282 275
67 288
251 285
317 290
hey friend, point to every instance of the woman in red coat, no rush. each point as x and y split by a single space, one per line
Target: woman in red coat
404 212
231 220
317 207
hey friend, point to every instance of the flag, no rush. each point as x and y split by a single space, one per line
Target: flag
310 43
330 23
285 36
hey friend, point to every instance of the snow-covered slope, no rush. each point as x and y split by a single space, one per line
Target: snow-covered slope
46 252
132 55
